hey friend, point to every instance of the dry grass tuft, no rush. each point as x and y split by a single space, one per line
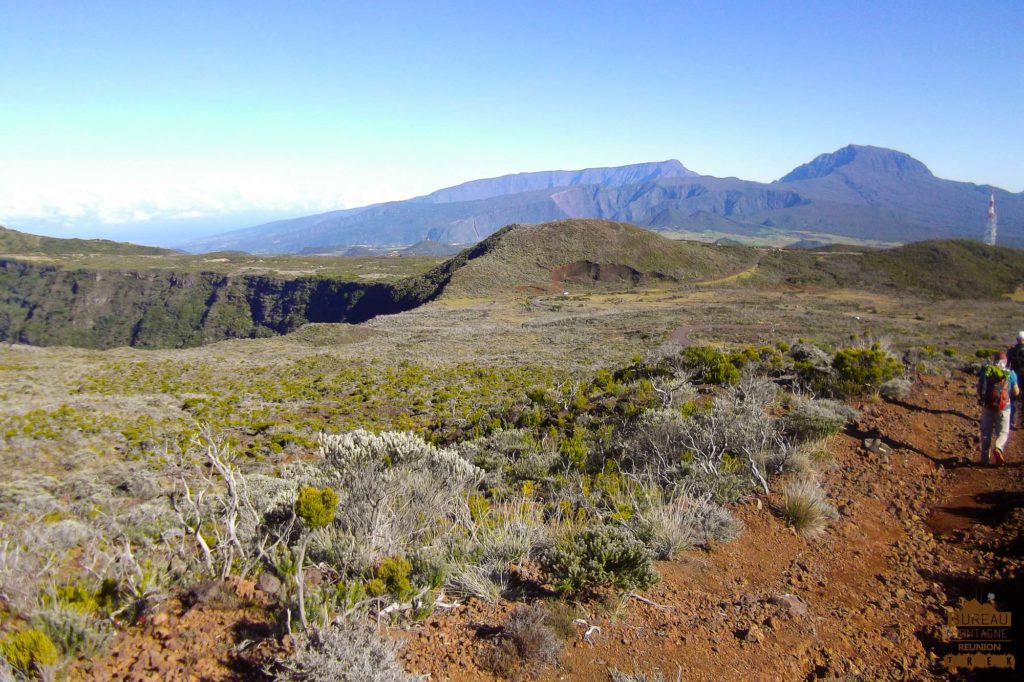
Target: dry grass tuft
805 507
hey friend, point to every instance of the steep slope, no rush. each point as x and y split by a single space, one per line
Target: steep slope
13 242
47 305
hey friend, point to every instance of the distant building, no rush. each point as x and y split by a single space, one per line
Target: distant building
992 224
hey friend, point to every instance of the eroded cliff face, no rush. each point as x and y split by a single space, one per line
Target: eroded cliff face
48 305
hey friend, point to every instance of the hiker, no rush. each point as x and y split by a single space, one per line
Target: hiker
1015 360
997 387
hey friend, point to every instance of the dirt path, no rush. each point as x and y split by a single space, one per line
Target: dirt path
681 334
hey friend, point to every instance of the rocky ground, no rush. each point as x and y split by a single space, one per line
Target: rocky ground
920 528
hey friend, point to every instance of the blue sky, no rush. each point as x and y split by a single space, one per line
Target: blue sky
153 120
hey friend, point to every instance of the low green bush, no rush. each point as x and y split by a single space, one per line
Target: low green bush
28 651
394 572
712 365
315 506
716 366
860 370
598 557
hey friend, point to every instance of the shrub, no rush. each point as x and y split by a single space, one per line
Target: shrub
342 652
485 581
863 369
817 419
396 493
394 573
605 556
315 506
674 391
654 444
561 618
28 651
684 521
505 534
899 388
805 508
719 448
711 365
514 450
226 512
75 633
527 643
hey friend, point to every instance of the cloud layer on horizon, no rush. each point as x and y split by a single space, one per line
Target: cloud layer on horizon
74 205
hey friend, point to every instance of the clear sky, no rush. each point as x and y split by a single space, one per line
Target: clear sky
156 121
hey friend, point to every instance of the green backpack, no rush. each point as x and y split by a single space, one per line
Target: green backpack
997 388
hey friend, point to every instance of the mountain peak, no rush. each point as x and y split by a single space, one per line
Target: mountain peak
861 157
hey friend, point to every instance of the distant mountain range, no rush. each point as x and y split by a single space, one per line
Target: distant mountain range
857 192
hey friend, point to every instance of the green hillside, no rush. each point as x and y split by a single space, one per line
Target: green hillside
946 269
587 252
13 242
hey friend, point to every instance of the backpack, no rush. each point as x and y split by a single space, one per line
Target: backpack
997 388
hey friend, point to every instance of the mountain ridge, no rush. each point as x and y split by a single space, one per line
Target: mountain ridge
15 242
518 183
858 191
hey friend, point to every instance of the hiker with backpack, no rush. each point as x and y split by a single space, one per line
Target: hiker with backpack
1015 361
997 387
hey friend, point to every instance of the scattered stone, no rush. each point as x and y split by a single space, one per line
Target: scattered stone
205 592
269 583
812 355
790 602
754 635
314 577
876 446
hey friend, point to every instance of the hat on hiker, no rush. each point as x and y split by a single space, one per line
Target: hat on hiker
999 356
1020 336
